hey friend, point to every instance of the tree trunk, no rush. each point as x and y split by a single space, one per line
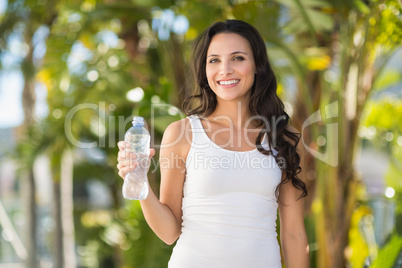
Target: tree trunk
28 101
58 245
179 71
58 231
32 260
67 209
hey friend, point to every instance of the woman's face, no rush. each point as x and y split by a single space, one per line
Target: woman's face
230 67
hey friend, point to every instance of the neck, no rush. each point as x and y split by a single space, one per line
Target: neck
236 113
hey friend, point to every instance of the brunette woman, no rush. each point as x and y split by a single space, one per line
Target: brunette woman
230 165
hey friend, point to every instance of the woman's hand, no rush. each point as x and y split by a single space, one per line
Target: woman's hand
126 161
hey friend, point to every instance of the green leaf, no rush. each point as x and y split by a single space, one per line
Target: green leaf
388 254
361 6
387 79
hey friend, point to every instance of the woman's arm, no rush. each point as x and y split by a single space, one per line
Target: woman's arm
292 231
164 215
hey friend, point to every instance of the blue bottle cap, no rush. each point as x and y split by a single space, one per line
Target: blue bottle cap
138 121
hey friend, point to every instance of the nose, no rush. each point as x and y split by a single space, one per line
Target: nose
225 68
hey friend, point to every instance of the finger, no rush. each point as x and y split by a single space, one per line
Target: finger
122 174
127 163
151 152
130 155
122 145
127 169
121 165
131 164
121 155
123 170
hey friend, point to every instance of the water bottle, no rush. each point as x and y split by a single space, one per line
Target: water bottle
135 186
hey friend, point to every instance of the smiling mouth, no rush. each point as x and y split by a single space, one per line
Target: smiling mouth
228 82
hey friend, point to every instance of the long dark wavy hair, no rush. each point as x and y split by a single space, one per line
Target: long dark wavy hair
264 101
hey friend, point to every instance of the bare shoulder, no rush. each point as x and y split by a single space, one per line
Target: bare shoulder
178 126
292 129
177 136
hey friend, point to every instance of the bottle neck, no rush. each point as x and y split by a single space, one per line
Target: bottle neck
138 121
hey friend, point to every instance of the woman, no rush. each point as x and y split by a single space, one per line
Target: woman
228 166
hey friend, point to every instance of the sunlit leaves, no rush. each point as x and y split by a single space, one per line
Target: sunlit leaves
389 23
315 58
358 248
389 254
384 114
381 127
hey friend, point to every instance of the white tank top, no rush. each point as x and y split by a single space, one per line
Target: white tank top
229 207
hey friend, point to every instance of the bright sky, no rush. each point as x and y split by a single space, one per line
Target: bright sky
11 113
11 82
3 4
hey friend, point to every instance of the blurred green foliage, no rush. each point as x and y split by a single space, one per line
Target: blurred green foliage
389 253
382 130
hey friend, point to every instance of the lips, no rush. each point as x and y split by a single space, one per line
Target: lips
228 82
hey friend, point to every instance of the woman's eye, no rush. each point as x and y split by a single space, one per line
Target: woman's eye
238 58
213 60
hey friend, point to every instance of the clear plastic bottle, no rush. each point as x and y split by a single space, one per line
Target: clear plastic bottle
135 186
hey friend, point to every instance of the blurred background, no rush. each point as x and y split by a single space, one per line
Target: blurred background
72 74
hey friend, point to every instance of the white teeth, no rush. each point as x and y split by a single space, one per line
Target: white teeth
228 82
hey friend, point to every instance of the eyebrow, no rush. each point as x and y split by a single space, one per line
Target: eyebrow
235 52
